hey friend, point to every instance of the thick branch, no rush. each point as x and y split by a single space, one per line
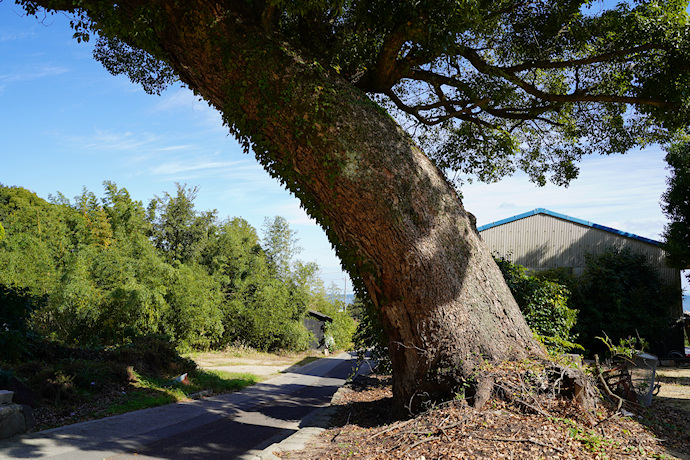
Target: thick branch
389 69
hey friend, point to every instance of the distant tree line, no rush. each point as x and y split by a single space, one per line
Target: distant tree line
101 271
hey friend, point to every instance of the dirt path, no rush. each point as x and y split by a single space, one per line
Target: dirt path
253 362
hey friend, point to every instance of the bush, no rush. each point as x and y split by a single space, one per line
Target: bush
544 305
621 295
369 336
15 307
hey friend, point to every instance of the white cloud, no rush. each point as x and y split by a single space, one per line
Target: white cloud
16 35
115 141
31 73
183 101
201 166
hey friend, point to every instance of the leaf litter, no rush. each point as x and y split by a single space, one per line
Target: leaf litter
511 425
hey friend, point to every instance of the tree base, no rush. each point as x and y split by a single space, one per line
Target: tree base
534 386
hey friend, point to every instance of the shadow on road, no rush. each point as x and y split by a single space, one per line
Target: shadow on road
225 426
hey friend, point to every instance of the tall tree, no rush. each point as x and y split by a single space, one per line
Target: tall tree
676 206
280 243
496 84
126 217
179 230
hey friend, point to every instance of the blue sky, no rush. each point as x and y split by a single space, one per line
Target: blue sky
66 123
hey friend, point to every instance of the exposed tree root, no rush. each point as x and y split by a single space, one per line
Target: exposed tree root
536 387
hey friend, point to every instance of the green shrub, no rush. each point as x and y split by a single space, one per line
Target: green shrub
544 305
15 307
621 295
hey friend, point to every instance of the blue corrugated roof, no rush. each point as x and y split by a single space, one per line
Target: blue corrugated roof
570 219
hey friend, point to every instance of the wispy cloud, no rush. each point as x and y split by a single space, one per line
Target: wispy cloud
195 166
31 73
183 101
16 35
620 192
105 140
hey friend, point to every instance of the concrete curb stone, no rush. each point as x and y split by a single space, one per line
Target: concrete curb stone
316 425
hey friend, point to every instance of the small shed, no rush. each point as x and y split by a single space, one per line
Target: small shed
543 239
315 322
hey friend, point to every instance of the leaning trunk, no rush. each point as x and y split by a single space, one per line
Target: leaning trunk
396 224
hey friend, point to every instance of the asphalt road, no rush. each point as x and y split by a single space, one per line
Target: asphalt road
227 426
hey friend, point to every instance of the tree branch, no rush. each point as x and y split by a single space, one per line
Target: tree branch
482 66
579 62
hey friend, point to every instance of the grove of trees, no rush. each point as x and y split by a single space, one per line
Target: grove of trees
485 87
99 272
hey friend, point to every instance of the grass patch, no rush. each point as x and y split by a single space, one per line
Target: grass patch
137 401
155 391
71 385
223 382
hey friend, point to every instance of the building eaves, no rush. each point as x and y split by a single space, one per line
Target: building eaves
569 219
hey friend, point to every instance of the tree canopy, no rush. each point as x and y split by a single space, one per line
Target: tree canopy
314 88
488 87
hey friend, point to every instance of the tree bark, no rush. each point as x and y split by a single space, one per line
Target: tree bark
396 224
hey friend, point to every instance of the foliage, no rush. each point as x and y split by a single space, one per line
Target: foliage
108 272
370 338
16 306
544 305
491 87
280 244
676 206
263 317
627 348
178 230
619 294
622 295
265 303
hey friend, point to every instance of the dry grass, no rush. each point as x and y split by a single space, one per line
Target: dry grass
244 356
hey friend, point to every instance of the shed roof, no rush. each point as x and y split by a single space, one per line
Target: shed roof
569 219
320 316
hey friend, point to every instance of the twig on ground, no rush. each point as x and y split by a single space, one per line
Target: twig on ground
341 430
607 390
433 438
538 443
392 427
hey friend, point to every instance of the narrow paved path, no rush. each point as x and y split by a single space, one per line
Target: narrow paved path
227 426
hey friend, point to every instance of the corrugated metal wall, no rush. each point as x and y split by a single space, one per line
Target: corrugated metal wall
542 241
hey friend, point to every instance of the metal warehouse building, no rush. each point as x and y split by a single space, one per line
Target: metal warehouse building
542 239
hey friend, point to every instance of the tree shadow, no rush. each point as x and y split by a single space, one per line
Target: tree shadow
224 426
375 412
669 419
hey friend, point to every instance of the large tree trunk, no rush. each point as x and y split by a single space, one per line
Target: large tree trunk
394 221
